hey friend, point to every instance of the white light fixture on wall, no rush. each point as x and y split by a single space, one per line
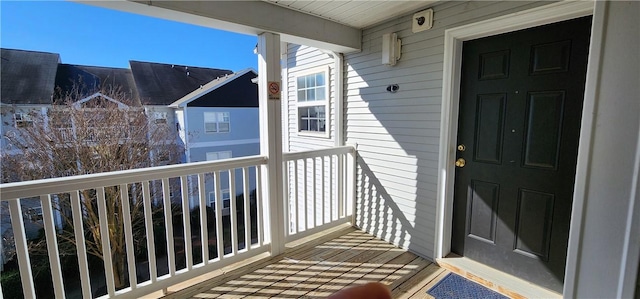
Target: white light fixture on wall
391 48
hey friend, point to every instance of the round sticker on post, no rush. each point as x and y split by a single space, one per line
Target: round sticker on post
274 90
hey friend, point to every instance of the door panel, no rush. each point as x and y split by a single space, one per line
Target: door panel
543 127
489 128
520 107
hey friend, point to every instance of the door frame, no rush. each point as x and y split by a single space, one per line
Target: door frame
452 69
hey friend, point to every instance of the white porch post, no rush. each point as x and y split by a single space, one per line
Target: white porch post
271 138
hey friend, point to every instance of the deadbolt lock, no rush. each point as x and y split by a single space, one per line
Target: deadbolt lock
461 147
460 162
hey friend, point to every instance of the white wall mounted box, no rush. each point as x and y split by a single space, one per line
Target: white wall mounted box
391 48
422 21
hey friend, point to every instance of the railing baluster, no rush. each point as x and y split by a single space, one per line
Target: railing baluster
351 195
22 250
106 244
148 222
166 196
204 227
233 211
287 198
314 209
247 209
296 224
331 188
52 246
304 177
219 228
81 247
322 192
128 234
186 222
259 224
340 186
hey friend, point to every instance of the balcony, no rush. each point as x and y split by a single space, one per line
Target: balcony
149 250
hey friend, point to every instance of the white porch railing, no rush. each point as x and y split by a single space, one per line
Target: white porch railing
319 190
319 184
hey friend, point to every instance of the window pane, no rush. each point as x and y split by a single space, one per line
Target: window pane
210 127
225 117
313 125
313 112
311 94
301 83
320 79
319 111
311 80
304 125
223 127
320 94
322 125
210 117
302 96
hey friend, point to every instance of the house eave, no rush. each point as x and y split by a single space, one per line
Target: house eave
249 17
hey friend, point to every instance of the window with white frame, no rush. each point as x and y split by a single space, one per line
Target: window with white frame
226 199
313 101
216 122
212 156
22 120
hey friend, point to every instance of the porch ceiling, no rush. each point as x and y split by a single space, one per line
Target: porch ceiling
326 24
357 14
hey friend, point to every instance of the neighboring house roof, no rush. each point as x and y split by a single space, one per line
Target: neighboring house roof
152 80
92 78
28 77
235 90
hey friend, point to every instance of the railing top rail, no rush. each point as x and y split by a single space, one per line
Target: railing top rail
347 149
27 189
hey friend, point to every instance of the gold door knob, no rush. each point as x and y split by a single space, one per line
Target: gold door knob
460 162
461 147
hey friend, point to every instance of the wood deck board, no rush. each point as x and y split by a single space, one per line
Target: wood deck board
319 268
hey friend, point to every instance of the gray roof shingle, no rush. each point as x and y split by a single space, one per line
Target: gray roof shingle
27 77
152 80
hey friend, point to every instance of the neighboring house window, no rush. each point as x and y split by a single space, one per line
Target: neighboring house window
212 156
61 121
216 122
22 120
313 103
34 214
226 199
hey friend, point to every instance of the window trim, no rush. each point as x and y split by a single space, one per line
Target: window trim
204 122
326 103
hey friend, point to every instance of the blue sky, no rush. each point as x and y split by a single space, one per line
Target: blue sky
90 35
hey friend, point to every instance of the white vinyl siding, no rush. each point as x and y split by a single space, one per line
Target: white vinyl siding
216 122
398 133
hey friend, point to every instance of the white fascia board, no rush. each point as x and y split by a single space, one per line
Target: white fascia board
249 17
209 87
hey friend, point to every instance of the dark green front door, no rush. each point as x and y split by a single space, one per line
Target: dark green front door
521 100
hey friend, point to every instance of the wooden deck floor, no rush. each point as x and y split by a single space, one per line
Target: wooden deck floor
321 267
